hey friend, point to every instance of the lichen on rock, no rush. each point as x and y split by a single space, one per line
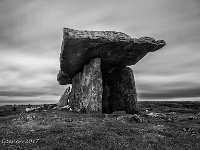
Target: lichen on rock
114 48
95 63
87 88
119 91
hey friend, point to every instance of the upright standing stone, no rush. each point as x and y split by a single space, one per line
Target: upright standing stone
64 98
119 91
87 88
76 93
106 105
92 86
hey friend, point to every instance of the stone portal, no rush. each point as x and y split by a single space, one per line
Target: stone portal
115 92
95 63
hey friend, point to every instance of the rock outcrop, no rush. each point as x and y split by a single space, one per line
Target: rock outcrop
86 95
105 84
64 98
114 48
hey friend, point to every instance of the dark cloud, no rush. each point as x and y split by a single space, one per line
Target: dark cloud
171 94
5 102
31 36
21 93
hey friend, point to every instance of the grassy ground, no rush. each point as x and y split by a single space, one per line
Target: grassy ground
171 129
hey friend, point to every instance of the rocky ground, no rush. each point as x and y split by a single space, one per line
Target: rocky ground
60 129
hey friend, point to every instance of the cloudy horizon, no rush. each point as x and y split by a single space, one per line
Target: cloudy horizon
31 36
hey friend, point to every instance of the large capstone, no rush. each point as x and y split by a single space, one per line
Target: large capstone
86 94
115 49
119 91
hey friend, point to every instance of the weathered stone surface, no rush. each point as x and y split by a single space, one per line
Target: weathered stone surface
87 88
114 48
63 78
64 98
92 86
106 104
119 91
76 93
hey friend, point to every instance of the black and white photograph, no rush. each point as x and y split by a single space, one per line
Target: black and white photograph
99 75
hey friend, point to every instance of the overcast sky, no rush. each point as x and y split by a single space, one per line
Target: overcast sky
31 36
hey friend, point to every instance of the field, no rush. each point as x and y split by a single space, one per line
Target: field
8 110
165 126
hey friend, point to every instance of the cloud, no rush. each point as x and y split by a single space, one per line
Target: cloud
31 36
173 93
27 75
5 100
165 74
21 93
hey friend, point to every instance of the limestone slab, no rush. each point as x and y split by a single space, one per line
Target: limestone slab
114 48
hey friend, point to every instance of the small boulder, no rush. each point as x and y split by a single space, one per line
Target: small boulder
130 118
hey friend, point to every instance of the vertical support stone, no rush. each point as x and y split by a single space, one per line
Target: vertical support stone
119 91
106 105
87 88
76 93
92 86
64 98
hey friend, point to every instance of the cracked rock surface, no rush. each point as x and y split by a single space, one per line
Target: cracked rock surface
115 49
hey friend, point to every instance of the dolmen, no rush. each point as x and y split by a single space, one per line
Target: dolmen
96 64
